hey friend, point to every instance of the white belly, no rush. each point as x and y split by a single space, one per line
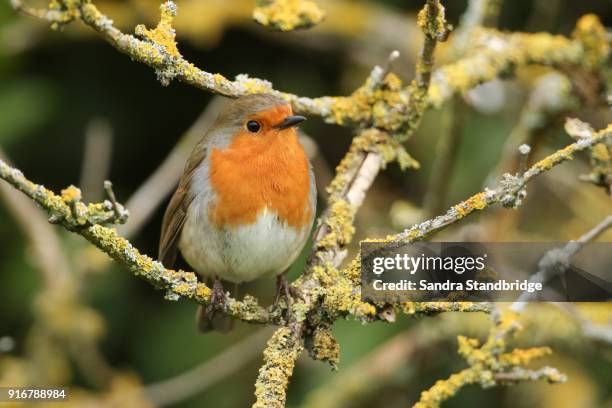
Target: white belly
240 254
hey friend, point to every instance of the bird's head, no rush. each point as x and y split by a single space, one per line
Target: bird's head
261 116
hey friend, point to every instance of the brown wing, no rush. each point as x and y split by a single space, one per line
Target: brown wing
175 214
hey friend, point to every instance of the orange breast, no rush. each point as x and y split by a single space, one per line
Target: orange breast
255 172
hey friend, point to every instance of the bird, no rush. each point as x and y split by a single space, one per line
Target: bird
245 203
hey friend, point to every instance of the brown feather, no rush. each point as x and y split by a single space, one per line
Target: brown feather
175 214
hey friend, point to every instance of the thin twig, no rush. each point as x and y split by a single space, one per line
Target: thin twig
507 192
556 261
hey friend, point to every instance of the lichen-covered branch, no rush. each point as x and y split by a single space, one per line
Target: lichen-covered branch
509 192
491 364
373 149
432 22
386 112
280 354
601 155
68 211
321 282
344 297
493 53
65 209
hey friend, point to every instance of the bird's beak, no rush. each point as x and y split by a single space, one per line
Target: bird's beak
290 121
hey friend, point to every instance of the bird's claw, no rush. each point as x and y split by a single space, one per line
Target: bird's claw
290 293
217 298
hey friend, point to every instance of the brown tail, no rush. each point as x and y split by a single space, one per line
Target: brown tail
207 322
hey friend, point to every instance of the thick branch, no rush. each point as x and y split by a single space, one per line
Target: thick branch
280 355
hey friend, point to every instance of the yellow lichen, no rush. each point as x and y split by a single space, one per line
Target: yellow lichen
344 297
518 357
288 15
486 62
594 38
340 223
325 347
71 194
444 389
601 152
325 275
279 359
163 34
353 269
432 27
489 364
203 292
476 202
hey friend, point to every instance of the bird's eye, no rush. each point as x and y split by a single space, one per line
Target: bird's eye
253 126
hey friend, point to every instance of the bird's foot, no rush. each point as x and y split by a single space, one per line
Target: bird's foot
217 298
290 293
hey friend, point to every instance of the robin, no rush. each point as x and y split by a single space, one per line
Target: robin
245 203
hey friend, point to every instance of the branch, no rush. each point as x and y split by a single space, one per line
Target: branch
373 149
509 192
493 53
556 261
491 364
79 325
280 355
68 211
601 155
391 110
344 297
369 151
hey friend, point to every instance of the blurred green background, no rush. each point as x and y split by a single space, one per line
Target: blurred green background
55 85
